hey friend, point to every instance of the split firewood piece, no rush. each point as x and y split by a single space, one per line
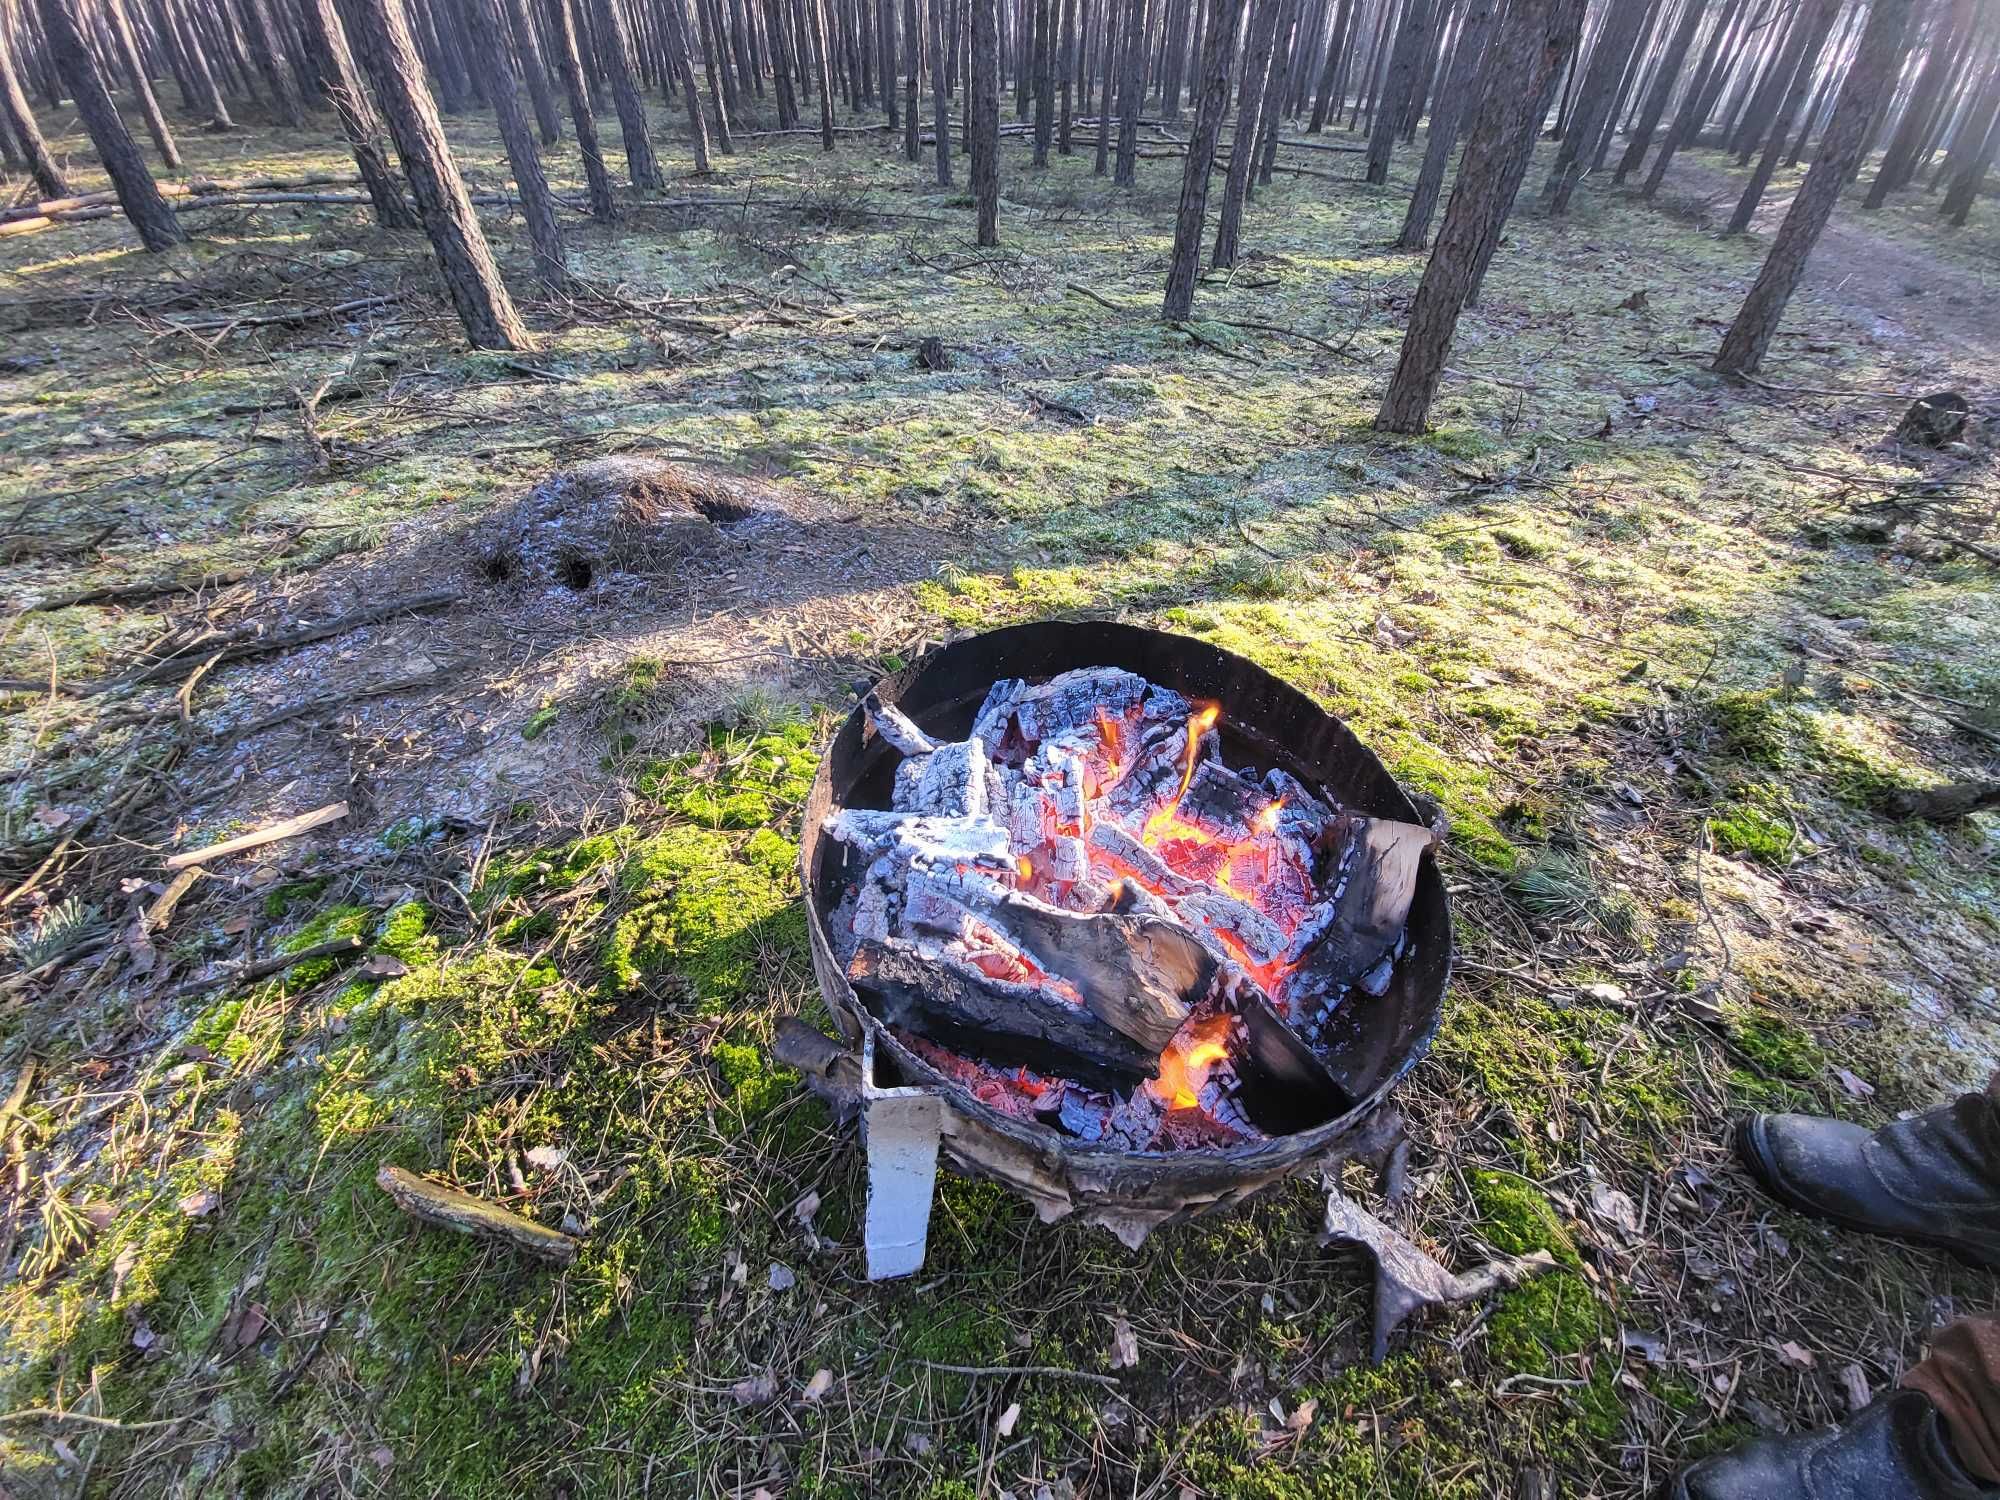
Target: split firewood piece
1375 883
333 812
1407 1280
1138 974
447 1208
897 727
959 1007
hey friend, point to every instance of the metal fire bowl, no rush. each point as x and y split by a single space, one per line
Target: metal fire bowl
1265 723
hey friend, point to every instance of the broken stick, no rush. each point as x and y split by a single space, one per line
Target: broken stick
303 823
447 1208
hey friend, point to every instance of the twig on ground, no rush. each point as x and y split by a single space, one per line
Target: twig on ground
288 828
447 1208
1052 1372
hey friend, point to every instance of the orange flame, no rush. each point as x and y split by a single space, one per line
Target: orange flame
1267 820
1185 1065
1027 871
1199 725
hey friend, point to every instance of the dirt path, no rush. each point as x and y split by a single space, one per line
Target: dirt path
1941 318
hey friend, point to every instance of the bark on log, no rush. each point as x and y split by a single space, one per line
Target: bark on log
448 1208
1137 974
1945 804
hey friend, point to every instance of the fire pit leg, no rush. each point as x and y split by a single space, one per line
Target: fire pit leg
899 1128
1406 1279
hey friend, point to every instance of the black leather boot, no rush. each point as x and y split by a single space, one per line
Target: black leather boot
1894 1450
1931 1180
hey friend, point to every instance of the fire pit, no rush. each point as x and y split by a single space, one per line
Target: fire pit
1124 922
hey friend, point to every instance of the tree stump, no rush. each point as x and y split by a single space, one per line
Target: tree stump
1933 421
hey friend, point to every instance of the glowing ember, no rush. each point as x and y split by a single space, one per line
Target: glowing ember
1185 1065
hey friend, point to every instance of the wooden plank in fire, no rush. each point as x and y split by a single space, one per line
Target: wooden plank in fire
1138 974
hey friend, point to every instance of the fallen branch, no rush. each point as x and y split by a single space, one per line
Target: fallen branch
334 700
248 643
1291 333
264 968
51 1414
289 828
1051 1372
447 1208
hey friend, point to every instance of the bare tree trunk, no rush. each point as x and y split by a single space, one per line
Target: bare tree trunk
547 120
614 55
1242 150
135 69
913 58
1045 81
1870 75
1664 79
1066 82
1130 95
21 118
715 65
940 99
380 32
1325 100
1411 38
823 50
357 116
1963 189
984 87
1461 88
1814 25
1270 117
207 92
782 66
885 44
562 40
1688 121
1218 51
1615 45
267 51
1899 160
538 207
137 194
1527 55
683 68
1105 53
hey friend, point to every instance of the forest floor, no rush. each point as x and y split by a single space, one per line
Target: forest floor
1658 646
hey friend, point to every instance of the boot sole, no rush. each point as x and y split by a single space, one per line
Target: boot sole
1750 1151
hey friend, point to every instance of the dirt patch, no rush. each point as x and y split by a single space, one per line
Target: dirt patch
621 515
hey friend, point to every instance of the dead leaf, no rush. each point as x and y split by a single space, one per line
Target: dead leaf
1605 994
1005 1426
382 966
548 1158
818 1386
1859 1088
805 1208
246 1327
782 1279
756 1389
1124 1344
1614 1209
1796 1354
917 1443
1650 1345
195 1204
1854 1385
1302 1418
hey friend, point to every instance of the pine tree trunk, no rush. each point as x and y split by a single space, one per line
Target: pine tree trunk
1105 52
1527 56
1411 38
207 100
1768 116
913 64
1963 189
1664 78
614 55
782 66
1327 101
940 94
526 47
1693 112
1595 101
885 43
1899 160
984 88
823 50
266 47
1045 81
1218 52
137 194
380 33
1066 82
713 64
538 208
134 65
1249 104
358 123
1276 85
21 119
561 28
1815 24
1459 89
1131 95
1870 75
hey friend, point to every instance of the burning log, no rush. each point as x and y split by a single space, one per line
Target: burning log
1375 882
897 728
1005 1022
1139 975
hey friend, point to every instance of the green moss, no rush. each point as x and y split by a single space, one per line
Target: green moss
1775 1044
743 778
280 899
1753 726
334 922
1518 1220
1740 827
700 912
